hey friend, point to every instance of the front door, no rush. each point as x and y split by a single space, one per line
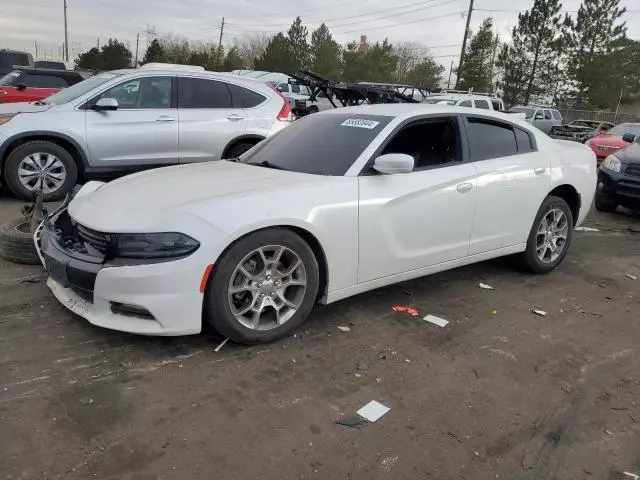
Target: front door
418 219
142 131
513 180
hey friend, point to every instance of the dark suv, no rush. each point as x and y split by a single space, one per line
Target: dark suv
619 180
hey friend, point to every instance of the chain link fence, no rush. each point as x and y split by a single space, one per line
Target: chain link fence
569 115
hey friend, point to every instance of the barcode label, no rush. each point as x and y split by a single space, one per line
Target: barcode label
360 123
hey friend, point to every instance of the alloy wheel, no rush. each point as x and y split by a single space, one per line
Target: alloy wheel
551 239
41 171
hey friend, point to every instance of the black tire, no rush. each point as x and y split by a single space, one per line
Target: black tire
530 256
238 149
313 109
40 146
604 205
217 311
16 244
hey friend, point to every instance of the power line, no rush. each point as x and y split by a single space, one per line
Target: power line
506 10
327 7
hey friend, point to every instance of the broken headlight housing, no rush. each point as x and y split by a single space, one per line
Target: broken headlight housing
153 245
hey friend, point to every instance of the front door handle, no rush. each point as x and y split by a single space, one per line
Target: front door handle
465 187
539 170
165 118
235 117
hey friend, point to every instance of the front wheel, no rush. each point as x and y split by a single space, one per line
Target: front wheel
550 236
263 287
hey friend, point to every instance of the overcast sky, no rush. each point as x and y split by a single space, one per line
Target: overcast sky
437 24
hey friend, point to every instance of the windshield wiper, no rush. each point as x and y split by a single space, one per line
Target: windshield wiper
267 165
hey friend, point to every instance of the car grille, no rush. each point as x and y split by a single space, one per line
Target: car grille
633 170
97 240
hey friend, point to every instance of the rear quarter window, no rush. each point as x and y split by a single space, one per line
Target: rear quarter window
245 98
483 104
523 139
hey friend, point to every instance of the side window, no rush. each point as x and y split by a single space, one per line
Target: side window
429 142
489 139
244 98
496 105
141 93
283 87
43 81
483 104
465 103
524 141
295 88
203 93
547 115
556 114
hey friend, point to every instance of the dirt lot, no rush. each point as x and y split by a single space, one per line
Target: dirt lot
498 393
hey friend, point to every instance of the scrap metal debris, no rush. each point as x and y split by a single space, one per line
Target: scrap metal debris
485 286
373 411
217 349
401 308
632 277
586 229
541 313
441 322
353 422
344 329
86 401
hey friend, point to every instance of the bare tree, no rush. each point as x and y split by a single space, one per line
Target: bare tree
409 55
251 47
176 48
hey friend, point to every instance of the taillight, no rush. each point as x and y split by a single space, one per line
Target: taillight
285 111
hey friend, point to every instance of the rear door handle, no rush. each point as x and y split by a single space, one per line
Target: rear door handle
235 117
539 170
465 187
165 118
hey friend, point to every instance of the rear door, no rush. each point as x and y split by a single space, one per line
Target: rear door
513 180
142 131
208 119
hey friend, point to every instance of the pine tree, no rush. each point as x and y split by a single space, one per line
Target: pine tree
531 60
373 63
154 53
596 33
297 36
115 55
427 73
325 53
91 59
233 61
476 65
278 56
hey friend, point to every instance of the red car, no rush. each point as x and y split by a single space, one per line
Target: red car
614 140
31 84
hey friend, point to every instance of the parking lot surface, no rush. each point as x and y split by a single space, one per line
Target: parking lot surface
498 393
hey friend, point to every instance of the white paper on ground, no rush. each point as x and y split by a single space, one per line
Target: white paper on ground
373 410
217 349
344 329
586 229
485 286
632 277
542 313
441 322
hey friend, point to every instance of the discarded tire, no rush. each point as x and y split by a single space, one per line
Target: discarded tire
16 243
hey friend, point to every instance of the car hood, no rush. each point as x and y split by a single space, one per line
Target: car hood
608 141
630 154
137 201
22 107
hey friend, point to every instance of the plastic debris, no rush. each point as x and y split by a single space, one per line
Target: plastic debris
441 322
373 410
86 401
541 313
401 308
494 312
485 286
344 329
586 229
632 277
217 349
353 422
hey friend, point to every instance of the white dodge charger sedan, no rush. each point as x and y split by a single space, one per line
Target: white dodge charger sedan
339 203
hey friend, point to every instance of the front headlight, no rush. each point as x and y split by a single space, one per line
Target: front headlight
154 245
5 118
612 163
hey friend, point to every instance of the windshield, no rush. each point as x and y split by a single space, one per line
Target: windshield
318 144
528 112
623 128
439 100
9 79
69 94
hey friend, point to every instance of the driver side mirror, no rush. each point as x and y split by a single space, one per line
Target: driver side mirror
20 87
105 104
628 137
392 163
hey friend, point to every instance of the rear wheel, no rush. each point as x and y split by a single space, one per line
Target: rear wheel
605 204
263 287
313 109
550 236
238 149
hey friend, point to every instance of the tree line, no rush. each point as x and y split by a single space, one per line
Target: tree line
581 61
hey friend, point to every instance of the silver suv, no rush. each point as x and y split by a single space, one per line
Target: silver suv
128 120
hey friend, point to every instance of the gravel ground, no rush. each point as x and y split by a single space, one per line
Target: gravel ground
498 393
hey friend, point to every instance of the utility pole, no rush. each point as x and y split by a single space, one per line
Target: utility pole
450 72
464 43
66 34
221 32
36 44
98 44
493 62
135 65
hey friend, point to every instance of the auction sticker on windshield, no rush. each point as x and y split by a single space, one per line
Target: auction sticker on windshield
360 123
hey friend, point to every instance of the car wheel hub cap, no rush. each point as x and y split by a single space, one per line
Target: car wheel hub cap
267 287
551 238
41 171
